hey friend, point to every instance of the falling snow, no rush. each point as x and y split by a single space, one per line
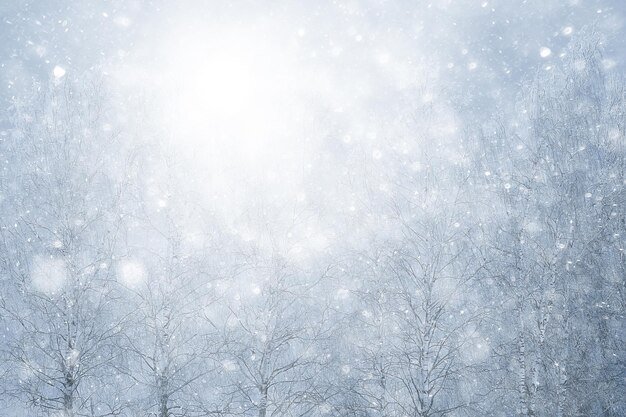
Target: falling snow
350 209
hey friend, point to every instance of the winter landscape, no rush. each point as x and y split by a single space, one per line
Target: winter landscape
359 208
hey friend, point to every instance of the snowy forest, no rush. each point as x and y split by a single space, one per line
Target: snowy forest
360 208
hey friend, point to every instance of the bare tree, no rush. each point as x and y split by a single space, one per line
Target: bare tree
275 330
59 235
168 270
558 194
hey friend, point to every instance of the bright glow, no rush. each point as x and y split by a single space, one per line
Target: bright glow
215 82
58 71
258 110
131 273
232 96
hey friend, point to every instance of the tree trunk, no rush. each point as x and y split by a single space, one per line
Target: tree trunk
263 402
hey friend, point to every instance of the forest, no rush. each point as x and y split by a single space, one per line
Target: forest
245 237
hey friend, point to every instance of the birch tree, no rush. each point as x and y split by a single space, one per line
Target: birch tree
59 234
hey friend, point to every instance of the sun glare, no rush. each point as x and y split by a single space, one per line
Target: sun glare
218 82
231 93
